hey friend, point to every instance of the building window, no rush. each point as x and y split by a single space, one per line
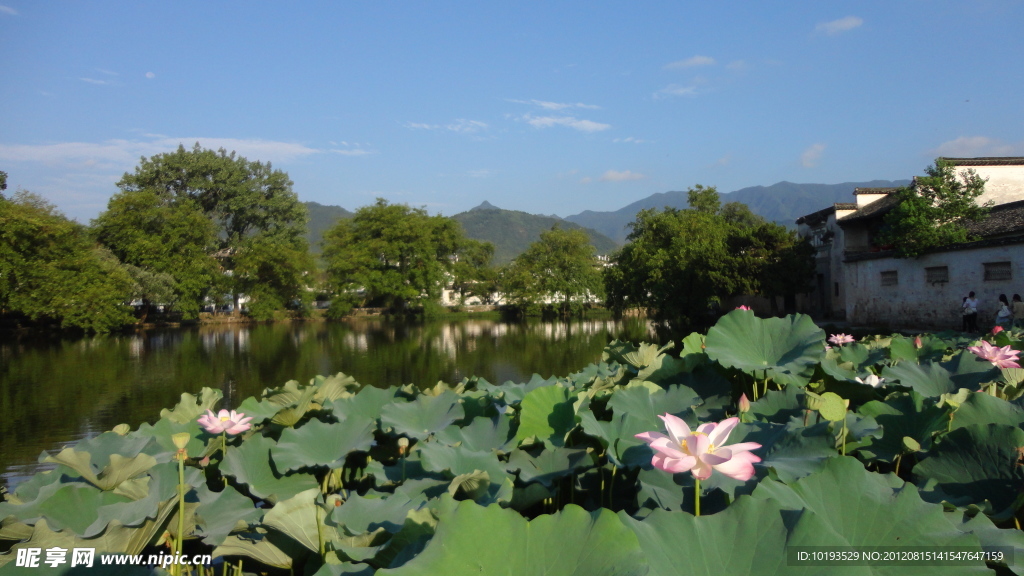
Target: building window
997 271
936 274
890 278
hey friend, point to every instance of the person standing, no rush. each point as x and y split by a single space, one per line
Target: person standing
1004 317
970 313
1017 306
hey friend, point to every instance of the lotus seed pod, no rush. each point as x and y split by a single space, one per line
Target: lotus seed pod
122 429
181 439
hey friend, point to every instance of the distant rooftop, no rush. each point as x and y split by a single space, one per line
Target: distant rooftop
987 161
874 190
873 210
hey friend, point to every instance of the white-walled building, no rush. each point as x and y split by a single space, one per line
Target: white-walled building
863 283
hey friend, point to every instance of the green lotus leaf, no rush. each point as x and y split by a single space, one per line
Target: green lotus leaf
458 460
344 569
845 505
546 414
361 514
117 471
259 410
162 447
638 357
548 466
991 537
779 406
571 542
790 451
648 405
332 388
901 416
657 489
925 379
861 356
974 464
367 403
981 408
662 368
221 513
968 371
514 393
474 485
251 464
316 443
833 407
425 416
101 447
749 538
618 437
784 349
299 518
481 435
191 407
693 352
293 408
902 348
270 548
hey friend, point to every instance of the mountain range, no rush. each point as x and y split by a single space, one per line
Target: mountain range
783 202
511 231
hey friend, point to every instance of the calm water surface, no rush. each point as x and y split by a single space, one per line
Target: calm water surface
54 392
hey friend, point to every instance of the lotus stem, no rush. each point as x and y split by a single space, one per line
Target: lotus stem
611 488
844 435
223 444
181 508
696 496
319 530
899 458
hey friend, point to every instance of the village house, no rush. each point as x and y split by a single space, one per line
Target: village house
864 283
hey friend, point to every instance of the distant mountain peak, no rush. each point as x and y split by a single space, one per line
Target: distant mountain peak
485 205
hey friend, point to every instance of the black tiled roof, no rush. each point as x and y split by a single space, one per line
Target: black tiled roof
1003 219
874 190
816 217
987 161
876 209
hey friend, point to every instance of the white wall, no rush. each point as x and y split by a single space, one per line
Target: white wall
914 303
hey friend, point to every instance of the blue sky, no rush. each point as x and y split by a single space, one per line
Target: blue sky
547 107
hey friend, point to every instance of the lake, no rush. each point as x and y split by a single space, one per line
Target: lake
56 391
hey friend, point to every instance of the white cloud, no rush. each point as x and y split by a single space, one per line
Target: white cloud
838 26
625 175
586 180
737 65
675 90
461 125
631 140
691 62
150 75
568 121
557 105
973 146
94 81
479 173
810 157
107 72
8 10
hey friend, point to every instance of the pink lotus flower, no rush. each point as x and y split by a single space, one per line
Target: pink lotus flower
996 330
702 451
917 342
229 422
744 307
1005 357
744 403
840 339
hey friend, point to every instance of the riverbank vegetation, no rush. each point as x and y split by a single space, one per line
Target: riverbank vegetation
198 230
757 432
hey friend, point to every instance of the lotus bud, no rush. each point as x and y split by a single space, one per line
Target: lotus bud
403 446
204 462
917 342
122 429
181 440
996 330
744 404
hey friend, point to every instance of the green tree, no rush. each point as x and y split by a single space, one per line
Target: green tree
934 210
275 275
244 200
390 255
472 273
3 182
680 264
162 236
560 267
51 271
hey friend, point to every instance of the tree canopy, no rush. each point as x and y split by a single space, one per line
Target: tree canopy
51 271
390 255
558 268
934 210
680 264
195 213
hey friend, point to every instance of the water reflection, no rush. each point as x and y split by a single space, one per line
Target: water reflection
53 392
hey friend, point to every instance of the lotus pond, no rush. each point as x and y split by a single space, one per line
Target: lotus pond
888 443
